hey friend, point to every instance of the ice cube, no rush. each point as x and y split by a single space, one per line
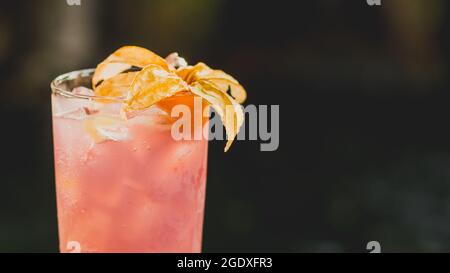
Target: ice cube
152 116
83 91
115 133
71 108
104 128
110 108
77 114
74 108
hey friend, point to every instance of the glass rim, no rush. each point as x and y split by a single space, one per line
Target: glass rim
73 75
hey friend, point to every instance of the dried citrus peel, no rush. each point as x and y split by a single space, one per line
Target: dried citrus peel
228 109
151 85
144 79
102 128
217 78
117 86
122 61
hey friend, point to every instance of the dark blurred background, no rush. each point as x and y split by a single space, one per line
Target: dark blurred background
363 92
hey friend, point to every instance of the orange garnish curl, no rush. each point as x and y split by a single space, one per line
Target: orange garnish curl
143 78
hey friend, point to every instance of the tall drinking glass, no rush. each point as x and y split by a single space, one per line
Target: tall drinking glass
123 185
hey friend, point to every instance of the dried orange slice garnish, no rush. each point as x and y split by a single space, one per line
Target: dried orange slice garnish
145 79
117 86
128 59
217 78
189 100
152 85
228 109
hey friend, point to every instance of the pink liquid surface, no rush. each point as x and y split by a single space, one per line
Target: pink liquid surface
126 186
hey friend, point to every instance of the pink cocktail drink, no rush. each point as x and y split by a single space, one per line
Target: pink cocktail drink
123 185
